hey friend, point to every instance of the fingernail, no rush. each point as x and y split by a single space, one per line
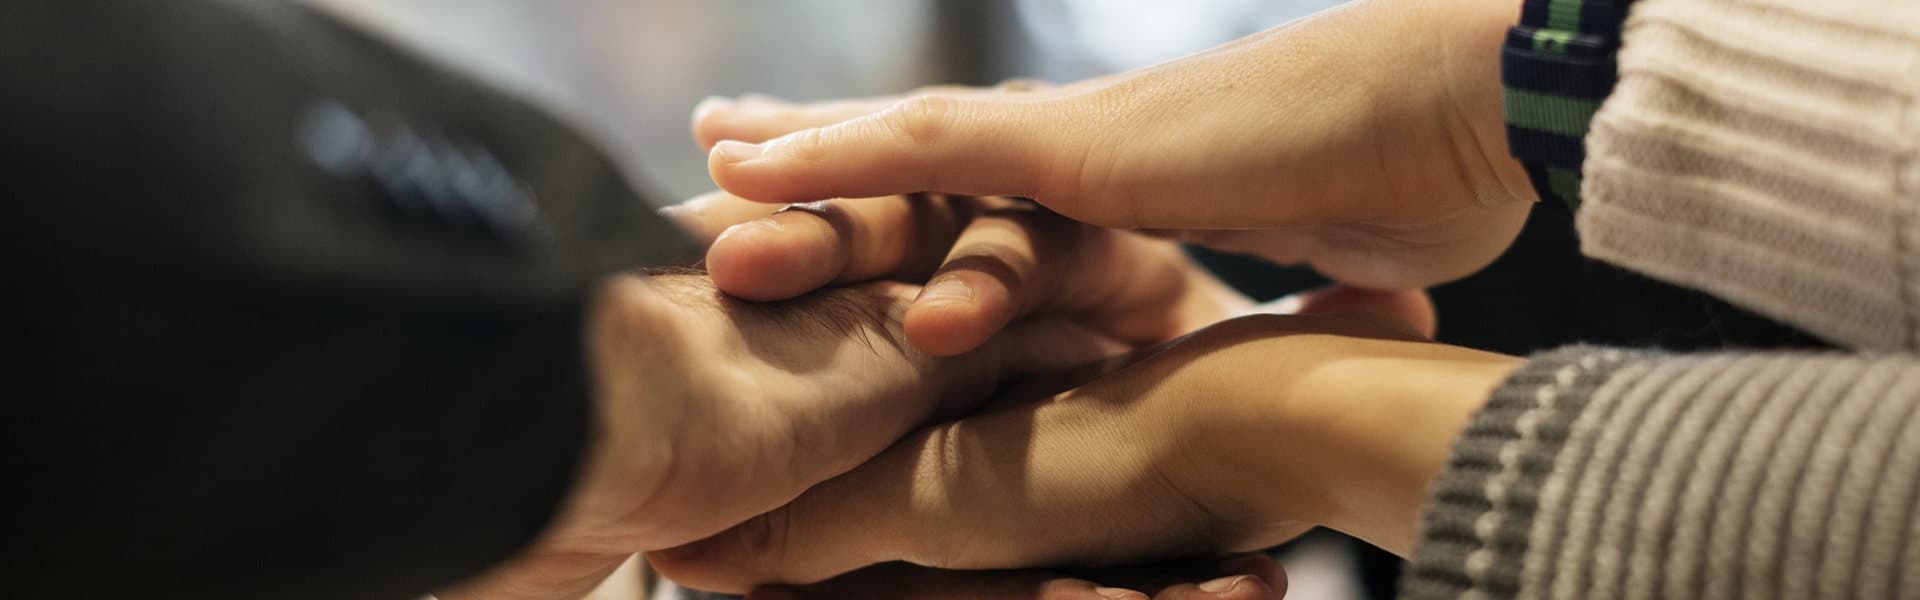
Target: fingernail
1223 584
950 289
733 152
1119 594
765 226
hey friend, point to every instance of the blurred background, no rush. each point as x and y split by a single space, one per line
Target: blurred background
629 72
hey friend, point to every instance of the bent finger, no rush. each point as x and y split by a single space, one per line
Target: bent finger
805 247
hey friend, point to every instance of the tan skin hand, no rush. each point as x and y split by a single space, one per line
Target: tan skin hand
1365 141
1009 259
1183 451
712 410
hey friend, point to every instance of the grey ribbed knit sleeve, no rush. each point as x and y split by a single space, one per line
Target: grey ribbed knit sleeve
1596 473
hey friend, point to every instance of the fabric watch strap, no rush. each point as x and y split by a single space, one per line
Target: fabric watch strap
1556 68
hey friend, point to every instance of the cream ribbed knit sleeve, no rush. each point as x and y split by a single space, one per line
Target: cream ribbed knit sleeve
1764 151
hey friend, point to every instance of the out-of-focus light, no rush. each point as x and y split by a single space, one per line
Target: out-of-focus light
1124 34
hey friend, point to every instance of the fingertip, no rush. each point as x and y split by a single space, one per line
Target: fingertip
764 260
958 312
1247 588
692 566
705 129
1113 593
1237 587
741 168
946 327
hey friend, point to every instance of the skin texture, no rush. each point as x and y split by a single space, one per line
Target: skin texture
1390 176
712 410
1365 141
1130 466
1078 437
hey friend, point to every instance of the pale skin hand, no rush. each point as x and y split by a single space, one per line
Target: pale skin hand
1131 466
1365 141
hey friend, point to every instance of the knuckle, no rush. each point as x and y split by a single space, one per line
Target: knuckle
922 120
806 144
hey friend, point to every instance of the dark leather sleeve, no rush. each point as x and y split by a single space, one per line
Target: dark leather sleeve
288 314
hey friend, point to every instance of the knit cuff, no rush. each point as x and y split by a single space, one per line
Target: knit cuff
1764 151
1479 511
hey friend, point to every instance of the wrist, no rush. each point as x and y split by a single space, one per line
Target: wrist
1403 437
1326 429
1375 427
1467 41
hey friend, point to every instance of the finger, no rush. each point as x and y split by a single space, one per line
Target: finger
962 145
706 216
755 118
899 581
1156 579
1413 308
539 576
1012 263
1000 267
1238 587
797 251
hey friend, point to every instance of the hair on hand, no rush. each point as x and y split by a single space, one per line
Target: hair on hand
837 311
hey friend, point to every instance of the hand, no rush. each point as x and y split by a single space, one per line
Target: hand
712 410
1366 141
1235 438
1250 577
987 261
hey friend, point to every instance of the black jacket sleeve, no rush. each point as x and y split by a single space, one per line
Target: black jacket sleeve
289 314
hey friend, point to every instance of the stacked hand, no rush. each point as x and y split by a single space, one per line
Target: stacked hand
1379 164
714 410
1366 141
1194 447
744 437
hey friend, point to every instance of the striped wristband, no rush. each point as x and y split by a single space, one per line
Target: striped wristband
1555 69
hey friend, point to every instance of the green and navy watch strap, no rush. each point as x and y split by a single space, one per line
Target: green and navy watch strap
1556 69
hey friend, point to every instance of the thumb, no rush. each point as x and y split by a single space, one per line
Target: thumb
935 143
